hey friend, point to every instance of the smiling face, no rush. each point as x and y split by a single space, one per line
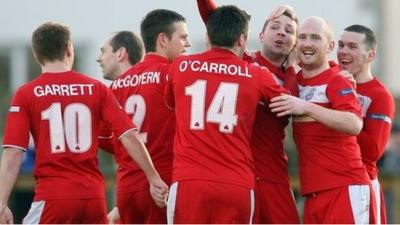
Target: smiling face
352 54
279 36
314 43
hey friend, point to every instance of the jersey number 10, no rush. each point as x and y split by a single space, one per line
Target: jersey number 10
75 130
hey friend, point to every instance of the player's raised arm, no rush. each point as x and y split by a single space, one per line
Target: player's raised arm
206 7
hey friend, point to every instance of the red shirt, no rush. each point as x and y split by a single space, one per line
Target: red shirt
378 112
62 111
215 96
268 137
141 91
328 158
269 131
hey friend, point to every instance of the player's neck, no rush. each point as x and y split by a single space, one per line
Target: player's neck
159 53
274 59
310 71
234 50
55 67
364 76
124 67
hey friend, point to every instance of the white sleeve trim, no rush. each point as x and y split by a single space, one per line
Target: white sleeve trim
105 137
14 146
120 136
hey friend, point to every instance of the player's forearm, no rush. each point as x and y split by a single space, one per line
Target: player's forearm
9 169
206 7
369 147
137 150
345 122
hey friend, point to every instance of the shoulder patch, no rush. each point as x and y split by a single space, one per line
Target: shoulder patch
377 116
346 91
14 109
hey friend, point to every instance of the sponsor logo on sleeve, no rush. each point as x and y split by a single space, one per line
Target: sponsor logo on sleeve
346 91
377 116
14 109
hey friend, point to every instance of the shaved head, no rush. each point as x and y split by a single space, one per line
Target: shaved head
314 44
319 24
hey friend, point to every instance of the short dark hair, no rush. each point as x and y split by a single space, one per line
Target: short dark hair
370 38
131 42
49 42
286 13
226 24
156 22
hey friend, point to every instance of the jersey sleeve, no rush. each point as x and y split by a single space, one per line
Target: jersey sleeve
17 123
106 137
113 113
377 125
206 7
270 88
342 96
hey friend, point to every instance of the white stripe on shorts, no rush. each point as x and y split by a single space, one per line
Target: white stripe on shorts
252 205
171 203
360 203
34 214
377 192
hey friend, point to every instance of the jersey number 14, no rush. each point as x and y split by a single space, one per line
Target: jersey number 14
222 109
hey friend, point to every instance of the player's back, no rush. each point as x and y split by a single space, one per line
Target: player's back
64 110
215 99
141 92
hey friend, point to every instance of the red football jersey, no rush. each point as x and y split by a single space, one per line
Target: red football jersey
215 95
141 92
62 111
378 112
268 137
327 158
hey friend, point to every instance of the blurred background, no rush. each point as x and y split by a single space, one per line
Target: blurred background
91 21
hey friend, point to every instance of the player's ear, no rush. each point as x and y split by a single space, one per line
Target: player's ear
371 55
162 40
242 40
69 49
331 46
122 53
208 42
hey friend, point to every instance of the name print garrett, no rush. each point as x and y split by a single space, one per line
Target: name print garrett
63 89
